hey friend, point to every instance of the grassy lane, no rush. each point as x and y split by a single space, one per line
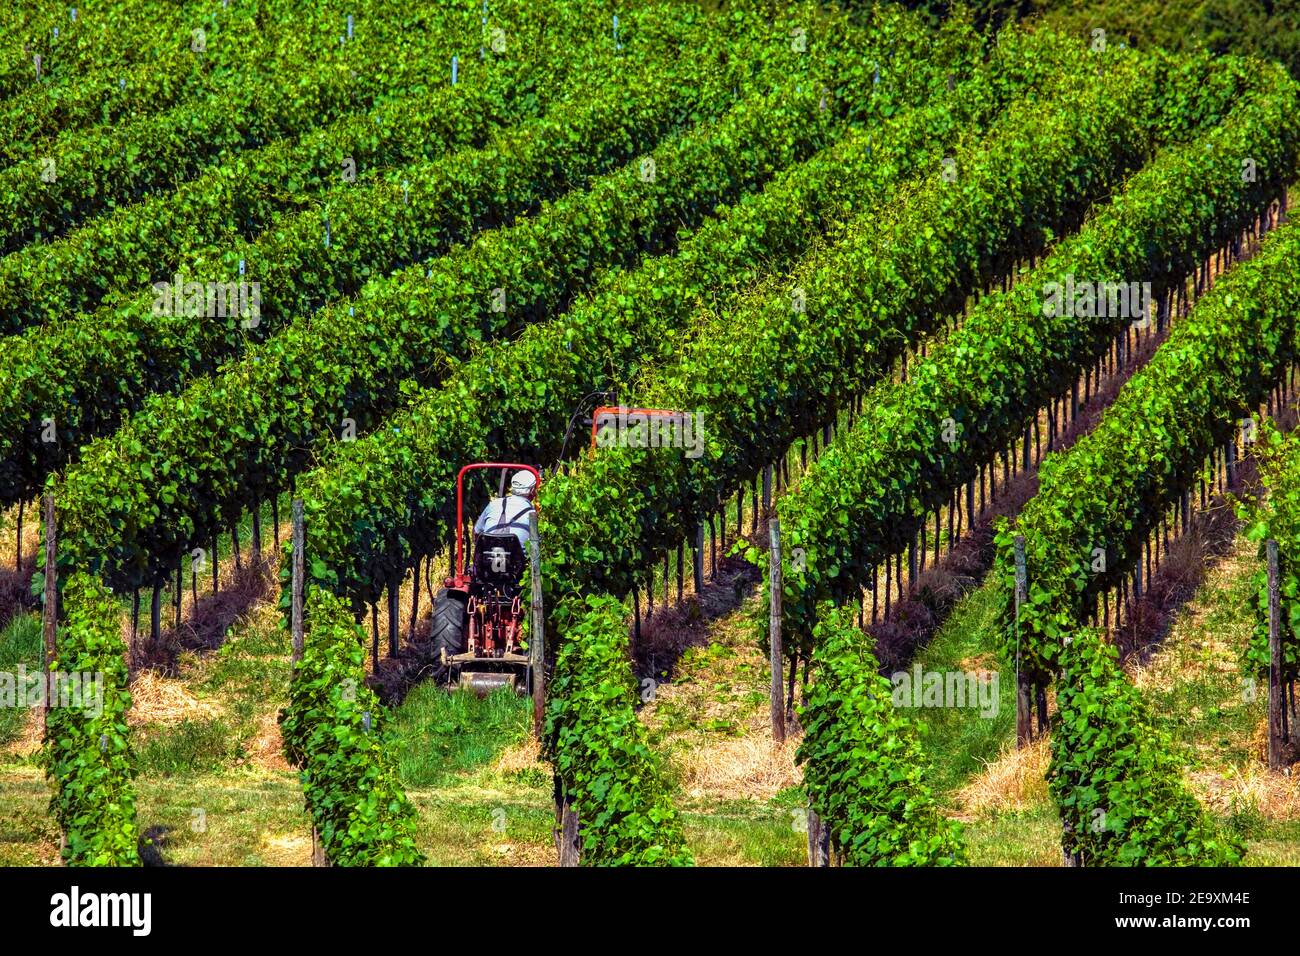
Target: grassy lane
1000 796
1196 690
214 789
20 646
485 799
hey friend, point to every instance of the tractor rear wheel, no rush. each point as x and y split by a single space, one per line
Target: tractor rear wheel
449 625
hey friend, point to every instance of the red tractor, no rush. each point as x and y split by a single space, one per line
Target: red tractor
478 612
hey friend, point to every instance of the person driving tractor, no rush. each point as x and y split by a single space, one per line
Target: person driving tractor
475 638
510 513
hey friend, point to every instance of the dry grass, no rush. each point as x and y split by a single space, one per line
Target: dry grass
9 534
160 700
286 849
1200 640
520 854
984 665
1274 796
266 748
1014 781
1196 669
1196 683
30 740
713 721
750 768
518 758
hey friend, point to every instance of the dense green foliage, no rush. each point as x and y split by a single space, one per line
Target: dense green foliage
767 373
85 373
95 169
863 767
748 214
597 745
757 375
1267 28
867 496
88 759
377 504
124 250
262 416
335 730
107 35
159 66
1116 778
1112 486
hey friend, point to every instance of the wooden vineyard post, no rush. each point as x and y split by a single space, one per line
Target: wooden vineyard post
819 841
374 637
318 855
394 621
774 633
295 608
537 639
1024 713
1275 703
697 559
135 633
415 601
155 616
50 617
1024 730
681 556
570 847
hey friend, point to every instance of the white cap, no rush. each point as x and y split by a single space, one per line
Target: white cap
522 483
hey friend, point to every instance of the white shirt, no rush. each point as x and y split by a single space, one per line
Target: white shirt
508 514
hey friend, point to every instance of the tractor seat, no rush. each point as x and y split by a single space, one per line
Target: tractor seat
498 561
